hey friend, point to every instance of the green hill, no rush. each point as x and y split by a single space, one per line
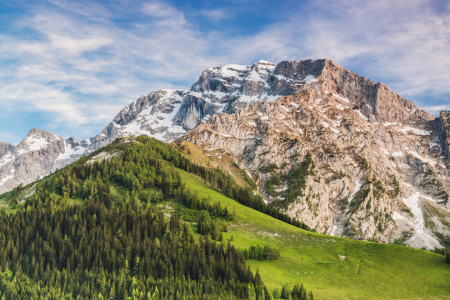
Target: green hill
330 267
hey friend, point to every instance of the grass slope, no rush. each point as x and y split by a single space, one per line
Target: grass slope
368 271
218 159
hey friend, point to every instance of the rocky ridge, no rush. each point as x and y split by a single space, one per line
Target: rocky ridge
167 114
379 161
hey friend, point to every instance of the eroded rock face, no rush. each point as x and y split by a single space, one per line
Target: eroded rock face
444 128
149 115
373 152
5 148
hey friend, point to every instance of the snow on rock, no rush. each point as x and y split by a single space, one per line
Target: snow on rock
420 238
362 115
33 143
397 154
397 216
415 130
357 188
9 176
70 152
385 151
425 160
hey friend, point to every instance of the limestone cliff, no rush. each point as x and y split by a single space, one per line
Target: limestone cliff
377 157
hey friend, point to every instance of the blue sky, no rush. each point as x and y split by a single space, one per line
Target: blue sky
68 67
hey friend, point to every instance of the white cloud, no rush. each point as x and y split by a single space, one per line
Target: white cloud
216 14
81 72
435 110
163 10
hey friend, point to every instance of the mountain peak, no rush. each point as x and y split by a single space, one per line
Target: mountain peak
35 131
265 62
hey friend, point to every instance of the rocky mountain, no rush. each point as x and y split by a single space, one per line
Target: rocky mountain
345 155
167 114
164 114
378 165
39 154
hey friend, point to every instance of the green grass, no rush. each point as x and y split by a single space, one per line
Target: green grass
369 271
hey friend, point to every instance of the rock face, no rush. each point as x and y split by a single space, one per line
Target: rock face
5 148
39 154
378 159
150 115
444 128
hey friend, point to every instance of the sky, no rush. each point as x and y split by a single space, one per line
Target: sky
69 67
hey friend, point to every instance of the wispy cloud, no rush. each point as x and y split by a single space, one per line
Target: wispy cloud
82 73
217 14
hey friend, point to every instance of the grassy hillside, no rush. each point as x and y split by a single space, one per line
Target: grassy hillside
219 159
336 268
333 268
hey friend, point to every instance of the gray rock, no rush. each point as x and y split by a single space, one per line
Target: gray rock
5 148
443 126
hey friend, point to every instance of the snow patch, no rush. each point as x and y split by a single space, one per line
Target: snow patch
33 143
340 106
385 151
415 130
420 238
398 216
362 115
425 160
340 97
357 188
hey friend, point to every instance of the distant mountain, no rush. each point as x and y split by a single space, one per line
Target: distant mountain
39 154
5 148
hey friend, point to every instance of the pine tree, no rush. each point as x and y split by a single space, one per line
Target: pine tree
251 294
283 293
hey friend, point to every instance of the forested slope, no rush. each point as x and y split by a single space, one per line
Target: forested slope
115 245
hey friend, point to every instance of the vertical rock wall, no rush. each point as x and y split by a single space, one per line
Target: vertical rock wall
444 127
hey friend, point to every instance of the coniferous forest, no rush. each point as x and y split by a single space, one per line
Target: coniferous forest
115 246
